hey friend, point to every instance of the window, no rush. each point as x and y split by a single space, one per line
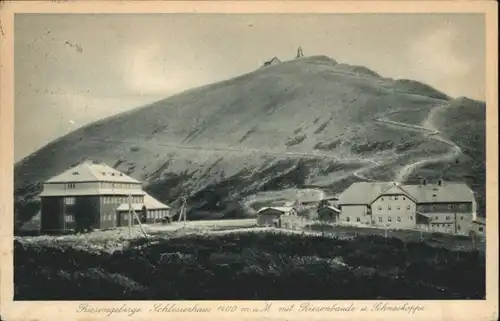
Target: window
389 207
125 216
458 227
480 229
449 206
379 207
447 217
389 219
408 207
411 217
399 219
69 200
404 198
71 186
348 219
462 206
380 219
461 218
398 208
395 198
75 173
382 199
68 218
358 219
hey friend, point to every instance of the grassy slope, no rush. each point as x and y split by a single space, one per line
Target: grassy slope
250 266
305 105
463 122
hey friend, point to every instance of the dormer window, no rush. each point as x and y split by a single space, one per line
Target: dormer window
103 173
75 173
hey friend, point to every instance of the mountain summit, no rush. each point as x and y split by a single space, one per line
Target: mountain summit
305 122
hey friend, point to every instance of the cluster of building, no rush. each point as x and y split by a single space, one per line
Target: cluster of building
96 190
447 207
110 198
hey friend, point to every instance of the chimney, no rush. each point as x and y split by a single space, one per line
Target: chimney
440 182
424 182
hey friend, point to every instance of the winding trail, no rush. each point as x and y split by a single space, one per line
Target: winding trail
428 128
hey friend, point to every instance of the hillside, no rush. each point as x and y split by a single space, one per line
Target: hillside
306 122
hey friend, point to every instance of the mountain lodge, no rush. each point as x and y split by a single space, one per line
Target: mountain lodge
441 207
97 196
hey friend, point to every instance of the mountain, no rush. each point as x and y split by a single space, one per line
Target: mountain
308 122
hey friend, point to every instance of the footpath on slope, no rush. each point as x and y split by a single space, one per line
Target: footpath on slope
427 127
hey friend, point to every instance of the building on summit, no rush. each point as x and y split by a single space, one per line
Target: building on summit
442 207
93 192
271 62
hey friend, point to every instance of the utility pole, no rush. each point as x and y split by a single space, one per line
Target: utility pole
182 214
140 224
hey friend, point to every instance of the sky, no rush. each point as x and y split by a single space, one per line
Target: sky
73 69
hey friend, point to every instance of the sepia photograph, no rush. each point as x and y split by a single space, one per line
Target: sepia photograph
262 157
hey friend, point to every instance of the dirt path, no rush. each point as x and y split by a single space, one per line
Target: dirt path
428 128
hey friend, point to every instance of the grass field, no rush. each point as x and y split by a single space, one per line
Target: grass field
245 263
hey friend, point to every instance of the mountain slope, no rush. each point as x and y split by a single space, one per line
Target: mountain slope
306 122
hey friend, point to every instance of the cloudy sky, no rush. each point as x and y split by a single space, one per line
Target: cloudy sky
74 69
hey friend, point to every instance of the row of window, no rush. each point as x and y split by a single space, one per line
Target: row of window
380 219
389 219
445 225
391 198
150 215
121 199
390 208
450 207
106 185
447 217
110 217
117 185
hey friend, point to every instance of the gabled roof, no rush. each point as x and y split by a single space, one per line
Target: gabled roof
92 172
272 61
332 208
279 209
149 201
363 193
447 192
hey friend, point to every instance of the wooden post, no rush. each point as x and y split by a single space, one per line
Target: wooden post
140 224
129 215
